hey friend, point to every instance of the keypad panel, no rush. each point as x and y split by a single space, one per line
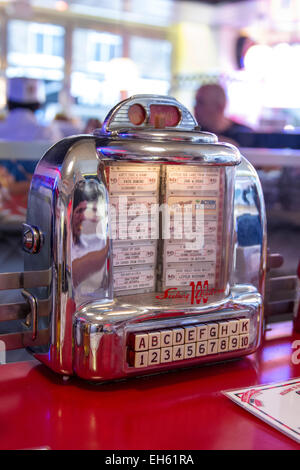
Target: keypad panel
170 345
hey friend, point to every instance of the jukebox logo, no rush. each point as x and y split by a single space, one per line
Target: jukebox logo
199 292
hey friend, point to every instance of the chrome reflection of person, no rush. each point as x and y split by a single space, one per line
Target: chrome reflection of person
90 245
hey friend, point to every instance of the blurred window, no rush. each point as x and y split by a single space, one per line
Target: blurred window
92 50
39 43
155 12
57 46
153 58
35 50
104 52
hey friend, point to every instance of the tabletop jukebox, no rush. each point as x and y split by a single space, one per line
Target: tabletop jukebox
145 247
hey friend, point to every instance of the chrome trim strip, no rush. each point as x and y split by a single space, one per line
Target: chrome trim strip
171 152
25 280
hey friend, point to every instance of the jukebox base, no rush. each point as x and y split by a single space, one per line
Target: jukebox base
122 340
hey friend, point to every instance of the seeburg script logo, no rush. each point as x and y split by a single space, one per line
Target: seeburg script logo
199 292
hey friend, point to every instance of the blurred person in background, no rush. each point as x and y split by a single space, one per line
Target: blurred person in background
66 125
91 125
209 111
24 97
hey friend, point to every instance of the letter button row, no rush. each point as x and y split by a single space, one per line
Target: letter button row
189 334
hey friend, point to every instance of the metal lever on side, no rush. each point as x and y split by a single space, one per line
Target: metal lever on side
25 280
23 310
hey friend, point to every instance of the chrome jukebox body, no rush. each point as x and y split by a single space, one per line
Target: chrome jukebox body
150 236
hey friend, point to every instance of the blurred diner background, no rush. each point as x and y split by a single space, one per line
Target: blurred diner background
87 55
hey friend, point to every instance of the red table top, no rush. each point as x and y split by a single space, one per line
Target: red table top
182 410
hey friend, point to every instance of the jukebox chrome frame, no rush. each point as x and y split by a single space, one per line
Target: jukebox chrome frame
92 337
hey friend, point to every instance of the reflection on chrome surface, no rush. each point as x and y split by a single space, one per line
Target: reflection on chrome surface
90 243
